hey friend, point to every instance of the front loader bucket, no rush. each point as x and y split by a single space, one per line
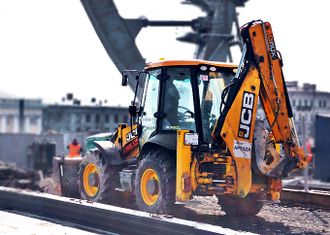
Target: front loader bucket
65 173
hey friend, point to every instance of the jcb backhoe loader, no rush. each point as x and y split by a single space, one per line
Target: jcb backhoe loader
195 131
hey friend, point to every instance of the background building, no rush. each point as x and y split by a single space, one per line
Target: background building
75 118
20 115
306 103
28 122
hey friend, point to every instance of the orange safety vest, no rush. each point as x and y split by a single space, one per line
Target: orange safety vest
74 150
309 152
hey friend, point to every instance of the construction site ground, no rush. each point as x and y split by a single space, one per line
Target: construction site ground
273 218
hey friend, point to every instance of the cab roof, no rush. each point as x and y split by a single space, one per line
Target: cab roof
166 63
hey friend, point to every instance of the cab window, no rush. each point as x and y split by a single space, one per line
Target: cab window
150 105
178 104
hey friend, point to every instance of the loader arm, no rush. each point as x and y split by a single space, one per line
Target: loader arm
259 77
274 97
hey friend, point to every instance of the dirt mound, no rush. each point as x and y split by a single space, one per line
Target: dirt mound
12 176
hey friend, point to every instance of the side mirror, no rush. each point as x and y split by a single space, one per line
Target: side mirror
139 130
124 80
132 110
125 73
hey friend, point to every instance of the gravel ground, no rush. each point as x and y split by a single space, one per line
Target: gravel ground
272 219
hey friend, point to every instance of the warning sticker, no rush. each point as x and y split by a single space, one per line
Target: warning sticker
242 149
203 77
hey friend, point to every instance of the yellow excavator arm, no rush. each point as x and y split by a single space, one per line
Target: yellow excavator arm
273 91
259 77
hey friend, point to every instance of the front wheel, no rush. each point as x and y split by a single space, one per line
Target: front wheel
155 182
97 179
238 206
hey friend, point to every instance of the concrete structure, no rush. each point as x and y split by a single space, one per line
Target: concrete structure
20 115
14 147
307 102
322 147
218 32
74 118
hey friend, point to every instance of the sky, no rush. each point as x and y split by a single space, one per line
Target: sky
49 47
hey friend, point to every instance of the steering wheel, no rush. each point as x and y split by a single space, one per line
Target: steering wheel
187 111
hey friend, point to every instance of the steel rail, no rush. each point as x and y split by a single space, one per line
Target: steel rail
317 198
104 217
310 187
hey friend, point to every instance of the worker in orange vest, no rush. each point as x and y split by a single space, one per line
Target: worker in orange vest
309 151
74 148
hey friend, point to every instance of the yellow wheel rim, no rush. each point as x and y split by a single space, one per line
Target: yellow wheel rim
149 187
91 172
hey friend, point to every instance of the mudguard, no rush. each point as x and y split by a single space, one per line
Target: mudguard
167 140
109 151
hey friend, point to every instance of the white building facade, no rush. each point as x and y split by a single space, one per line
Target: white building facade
20 115
306 103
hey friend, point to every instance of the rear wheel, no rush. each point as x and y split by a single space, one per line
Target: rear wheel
155 182
238 206
97 179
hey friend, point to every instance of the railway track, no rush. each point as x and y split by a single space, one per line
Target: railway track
312 197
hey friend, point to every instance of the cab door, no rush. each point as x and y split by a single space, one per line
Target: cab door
150 104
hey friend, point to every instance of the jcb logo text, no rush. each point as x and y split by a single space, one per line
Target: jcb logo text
130 135
246 115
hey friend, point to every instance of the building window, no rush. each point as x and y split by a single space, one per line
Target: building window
299 132
306 103
10 120
116 118
324 103
293 102
299 103
97 118
320 103
88 117
106 117
33 120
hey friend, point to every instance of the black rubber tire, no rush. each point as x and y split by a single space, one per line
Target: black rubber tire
70 181
108 179
238 206
164 164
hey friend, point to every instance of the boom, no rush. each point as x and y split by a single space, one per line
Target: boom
273 92
259 76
